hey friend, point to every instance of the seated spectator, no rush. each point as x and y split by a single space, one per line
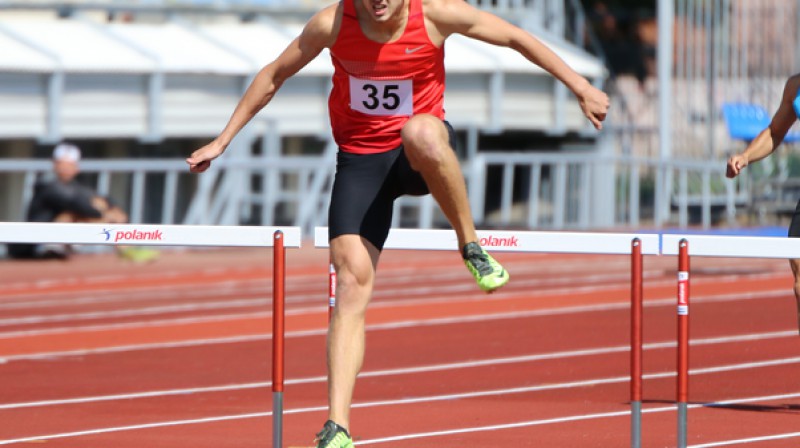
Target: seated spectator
61 198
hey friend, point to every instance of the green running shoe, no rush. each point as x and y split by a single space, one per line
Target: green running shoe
138 254
487 272
333 436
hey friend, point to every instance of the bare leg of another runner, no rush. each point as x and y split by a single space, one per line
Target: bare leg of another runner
795 263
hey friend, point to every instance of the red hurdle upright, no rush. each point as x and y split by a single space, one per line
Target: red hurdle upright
278 311
331 290
636 343
683 340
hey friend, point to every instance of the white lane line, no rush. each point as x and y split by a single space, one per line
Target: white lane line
136 312
540 422
137 395
70 299
297 289
322 331
458 366
748 440
595 416
473 429
133 325
379 294
30 292
88 432
221 304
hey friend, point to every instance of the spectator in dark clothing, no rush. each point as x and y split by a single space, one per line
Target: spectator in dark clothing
61 198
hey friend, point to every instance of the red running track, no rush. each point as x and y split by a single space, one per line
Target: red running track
96 352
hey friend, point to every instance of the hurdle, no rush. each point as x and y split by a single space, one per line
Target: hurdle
278 238
710 246
631 244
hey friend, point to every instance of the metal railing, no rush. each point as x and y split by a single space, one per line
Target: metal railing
164 191
585 191
520 190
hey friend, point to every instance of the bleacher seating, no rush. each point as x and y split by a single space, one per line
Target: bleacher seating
745 121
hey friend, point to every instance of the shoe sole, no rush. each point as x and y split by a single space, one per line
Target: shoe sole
491 290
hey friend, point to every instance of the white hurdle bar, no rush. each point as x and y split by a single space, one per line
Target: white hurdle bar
515 241
631 244
185 235
733 246
146 234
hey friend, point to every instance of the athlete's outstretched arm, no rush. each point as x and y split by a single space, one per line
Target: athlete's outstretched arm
316 35
768 140
459 17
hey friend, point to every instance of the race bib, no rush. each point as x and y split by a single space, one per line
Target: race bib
391 97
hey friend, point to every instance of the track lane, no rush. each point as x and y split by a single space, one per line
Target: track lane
394 346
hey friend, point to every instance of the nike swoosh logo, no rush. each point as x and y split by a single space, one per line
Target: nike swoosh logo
415 49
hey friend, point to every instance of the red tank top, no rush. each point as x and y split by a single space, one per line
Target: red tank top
378 87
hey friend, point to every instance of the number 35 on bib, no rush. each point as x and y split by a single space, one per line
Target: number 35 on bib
386 98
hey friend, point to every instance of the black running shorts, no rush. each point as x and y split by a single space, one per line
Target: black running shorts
794 227
364 190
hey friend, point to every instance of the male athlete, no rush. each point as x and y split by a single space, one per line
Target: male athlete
765 144
387 116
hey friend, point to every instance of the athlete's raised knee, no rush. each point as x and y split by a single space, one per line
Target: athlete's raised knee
425 139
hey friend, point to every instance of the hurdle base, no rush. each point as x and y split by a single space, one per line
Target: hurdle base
636 424
682 426
277 419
